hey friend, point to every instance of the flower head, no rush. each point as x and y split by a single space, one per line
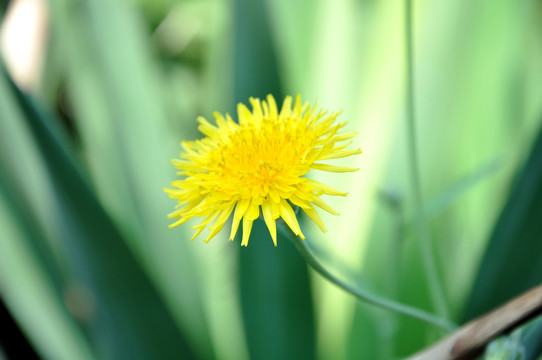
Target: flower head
258 164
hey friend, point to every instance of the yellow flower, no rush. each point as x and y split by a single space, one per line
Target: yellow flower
258 163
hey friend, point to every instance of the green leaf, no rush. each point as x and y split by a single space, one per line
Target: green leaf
522 344
276 298
447 198
438 205
275 290
31 277
117 92
531 339
118 307
512 262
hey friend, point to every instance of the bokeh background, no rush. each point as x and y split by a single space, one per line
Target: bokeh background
95 96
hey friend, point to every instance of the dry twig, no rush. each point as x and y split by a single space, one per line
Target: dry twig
470 340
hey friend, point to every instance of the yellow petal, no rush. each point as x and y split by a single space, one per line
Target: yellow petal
251 214
240 210
286 107
270 221
296 200
206 221
257 113
274 195
341 147
206 128
321 204
315 217
172 192
177 223
253 211
275 210
297 107
273 111
247 228
340 154
323 188
245 116
232 125
265 109
340 138
333 168
287 213
234 227
185 165
220 121
222 218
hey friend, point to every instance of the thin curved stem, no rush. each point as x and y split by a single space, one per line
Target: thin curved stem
435 286
364 295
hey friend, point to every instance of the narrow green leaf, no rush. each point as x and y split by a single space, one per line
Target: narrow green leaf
255 69
436 206
121 310
276 298
439 204
32 280
532 340
522 344
512 262
275 290
117 92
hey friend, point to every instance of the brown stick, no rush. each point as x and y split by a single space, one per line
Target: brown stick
470 340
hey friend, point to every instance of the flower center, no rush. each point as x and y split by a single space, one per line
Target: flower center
259 158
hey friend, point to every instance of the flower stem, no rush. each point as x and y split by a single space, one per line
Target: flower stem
364 295
429 262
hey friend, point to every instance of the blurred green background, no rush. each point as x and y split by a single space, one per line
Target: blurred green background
88 266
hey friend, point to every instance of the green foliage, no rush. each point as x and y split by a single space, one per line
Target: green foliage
512 262
522 344
105 289
88 266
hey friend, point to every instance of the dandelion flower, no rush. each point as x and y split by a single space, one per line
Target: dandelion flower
258 164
